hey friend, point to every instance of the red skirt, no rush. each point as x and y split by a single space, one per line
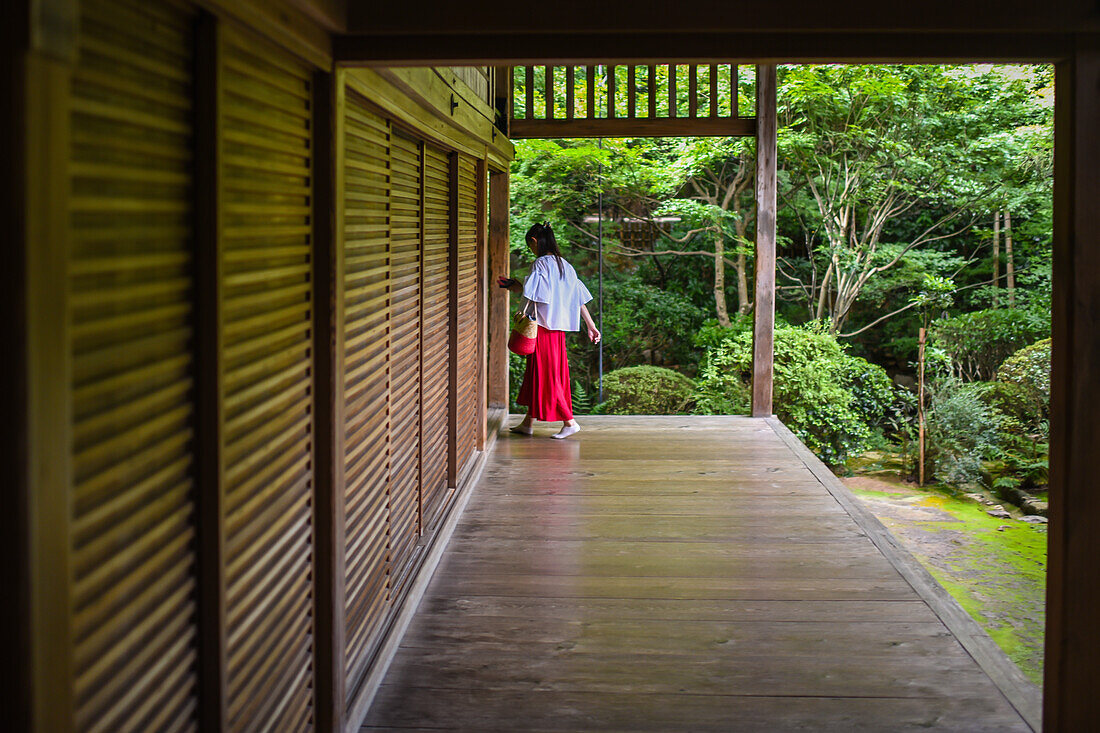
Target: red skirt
545 387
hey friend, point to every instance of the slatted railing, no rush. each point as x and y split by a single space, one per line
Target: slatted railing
628 100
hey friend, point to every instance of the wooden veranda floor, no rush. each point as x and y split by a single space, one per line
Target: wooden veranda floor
685 574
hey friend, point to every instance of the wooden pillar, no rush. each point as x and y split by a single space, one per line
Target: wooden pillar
483 284
1073 577
763 329
328 330
498 297
47 364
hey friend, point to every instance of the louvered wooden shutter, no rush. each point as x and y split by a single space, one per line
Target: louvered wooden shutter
133 507
435 331
468 324
366 389
404 355
266 383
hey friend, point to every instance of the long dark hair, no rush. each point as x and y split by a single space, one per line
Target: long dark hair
546 243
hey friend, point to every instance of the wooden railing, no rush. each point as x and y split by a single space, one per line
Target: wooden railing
628 100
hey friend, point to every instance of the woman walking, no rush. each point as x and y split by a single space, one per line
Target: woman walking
559 298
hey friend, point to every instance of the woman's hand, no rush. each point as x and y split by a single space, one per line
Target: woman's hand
510 284
594 335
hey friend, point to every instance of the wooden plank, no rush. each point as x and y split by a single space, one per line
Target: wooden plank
714 90
693 90
635 711
590 92
672 101
209 353
640 127
631 92
763 333
529 93
548 90
651 91
1072 589
570 91
328 326
285 23
610 91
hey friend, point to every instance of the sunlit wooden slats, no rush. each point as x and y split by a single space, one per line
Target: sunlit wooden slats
132 505
468 283
367 372
267 378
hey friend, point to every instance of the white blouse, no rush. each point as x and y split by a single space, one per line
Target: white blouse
558 295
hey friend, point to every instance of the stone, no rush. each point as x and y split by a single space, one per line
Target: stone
1003 527
999 513
1033 519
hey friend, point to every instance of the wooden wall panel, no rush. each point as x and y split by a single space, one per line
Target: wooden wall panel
435 332
266 383
366 389
132 503
467 397
405 355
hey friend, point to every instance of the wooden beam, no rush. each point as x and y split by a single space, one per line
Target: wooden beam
281 22
529 93
526 47
498 302
581 17
735 92
763 332
210 493
328 363
640 127
693 90
1073 576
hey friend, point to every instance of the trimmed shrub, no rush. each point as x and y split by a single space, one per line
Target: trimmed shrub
831 400
646 390
1028 370
979 342
961 429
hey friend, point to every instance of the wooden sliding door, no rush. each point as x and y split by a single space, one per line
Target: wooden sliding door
266 382
132 515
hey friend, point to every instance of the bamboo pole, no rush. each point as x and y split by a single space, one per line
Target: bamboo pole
920 405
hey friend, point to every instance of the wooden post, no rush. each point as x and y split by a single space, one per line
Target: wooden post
671 91
713 79
452 331
590 92
651 90
763 332
328 329
529 93
996 255
610 92
1073 577
48 369
570 92
920 405
548 90
1010 264
483 285
498 300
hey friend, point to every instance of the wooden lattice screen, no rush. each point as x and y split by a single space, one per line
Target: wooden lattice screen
627 100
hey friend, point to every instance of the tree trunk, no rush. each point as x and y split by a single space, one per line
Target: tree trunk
720 281
1010 266
996 255
823 295
743 304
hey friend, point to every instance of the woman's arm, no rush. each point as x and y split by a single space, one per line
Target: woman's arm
593 332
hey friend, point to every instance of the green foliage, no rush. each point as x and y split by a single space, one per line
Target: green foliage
643 323
646 390
961 430
1029 370
832 400
978 342
582 401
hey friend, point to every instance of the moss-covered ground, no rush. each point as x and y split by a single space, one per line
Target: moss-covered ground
995 568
